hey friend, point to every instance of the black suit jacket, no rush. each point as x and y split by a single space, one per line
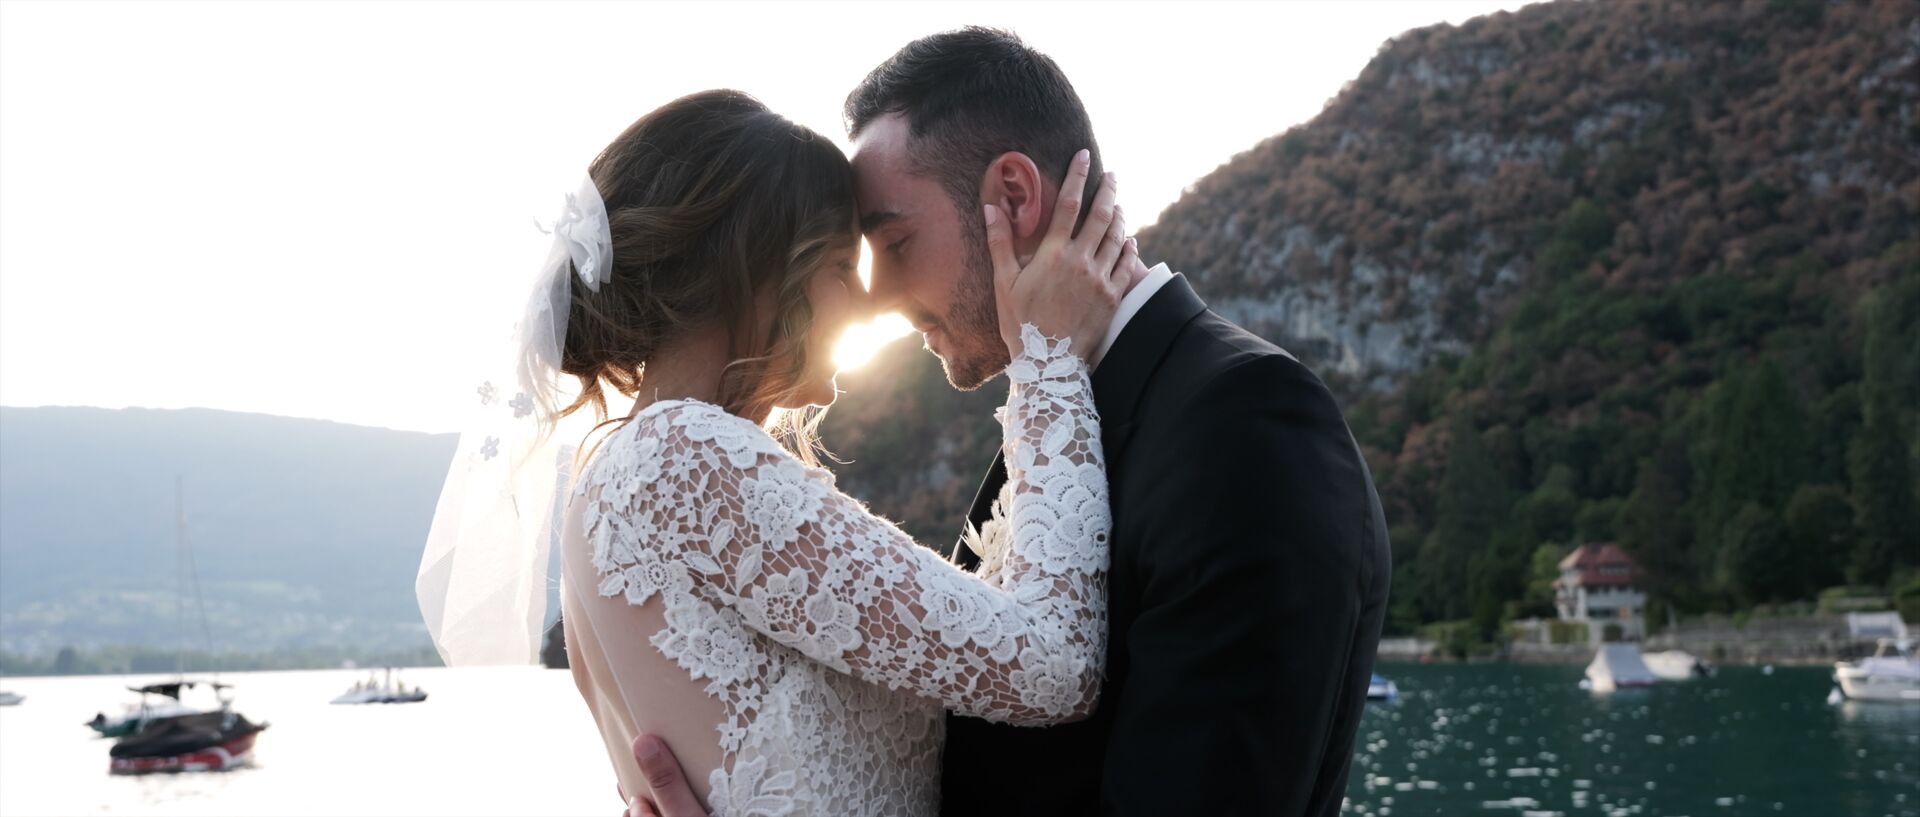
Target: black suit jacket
1247 591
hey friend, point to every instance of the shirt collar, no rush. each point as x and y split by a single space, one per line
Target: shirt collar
1130 306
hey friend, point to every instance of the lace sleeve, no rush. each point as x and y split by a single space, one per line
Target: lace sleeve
699 503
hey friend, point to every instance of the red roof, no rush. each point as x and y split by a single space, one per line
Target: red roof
1602 564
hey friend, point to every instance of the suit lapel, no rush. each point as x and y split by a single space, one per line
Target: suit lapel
1135 355
981 511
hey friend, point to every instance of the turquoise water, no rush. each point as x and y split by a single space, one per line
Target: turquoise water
1464 740
1527 741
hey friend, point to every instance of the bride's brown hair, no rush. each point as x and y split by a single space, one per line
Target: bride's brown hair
712 199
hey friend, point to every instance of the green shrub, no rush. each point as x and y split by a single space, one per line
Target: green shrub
1907 601
1567 632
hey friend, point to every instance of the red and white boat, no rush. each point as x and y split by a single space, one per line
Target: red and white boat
206 742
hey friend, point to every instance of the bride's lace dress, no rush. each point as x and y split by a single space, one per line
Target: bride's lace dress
831 639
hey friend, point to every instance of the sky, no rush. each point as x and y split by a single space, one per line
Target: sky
321 209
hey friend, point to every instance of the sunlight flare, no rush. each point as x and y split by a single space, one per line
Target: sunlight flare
862 341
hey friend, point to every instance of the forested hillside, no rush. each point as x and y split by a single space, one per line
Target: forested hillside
1635 271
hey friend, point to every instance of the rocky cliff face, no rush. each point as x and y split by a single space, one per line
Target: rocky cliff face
1393 228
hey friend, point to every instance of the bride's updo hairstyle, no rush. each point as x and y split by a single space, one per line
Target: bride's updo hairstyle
719 208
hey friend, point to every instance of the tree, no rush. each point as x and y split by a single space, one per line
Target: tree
1880 458
1542 571
1472 502
1820 531
1547 514
1752 450
1656 530
1755 560
1883 501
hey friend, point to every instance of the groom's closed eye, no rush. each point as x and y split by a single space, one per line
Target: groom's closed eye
871 223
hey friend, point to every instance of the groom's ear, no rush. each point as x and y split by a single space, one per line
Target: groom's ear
1013 183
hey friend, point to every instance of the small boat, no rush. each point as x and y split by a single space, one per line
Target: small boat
371 691
205 742
11 698
1892 673
1618 666
1676 665
1381 689
157 702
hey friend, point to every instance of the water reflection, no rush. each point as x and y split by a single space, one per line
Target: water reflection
1527 741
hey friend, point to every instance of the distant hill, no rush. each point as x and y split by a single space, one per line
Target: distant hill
305 532
1636 270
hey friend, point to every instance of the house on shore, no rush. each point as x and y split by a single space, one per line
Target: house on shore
1597 587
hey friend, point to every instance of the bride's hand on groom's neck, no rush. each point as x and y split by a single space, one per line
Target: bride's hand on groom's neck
1072 284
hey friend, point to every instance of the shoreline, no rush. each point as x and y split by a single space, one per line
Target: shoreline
1818 640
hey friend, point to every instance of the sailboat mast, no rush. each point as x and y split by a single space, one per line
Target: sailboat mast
189 571
180 574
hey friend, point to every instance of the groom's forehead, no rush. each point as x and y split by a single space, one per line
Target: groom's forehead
884 183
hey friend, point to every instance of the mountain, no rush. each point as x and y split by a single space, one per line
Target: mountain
1403 222
305 533
1643 270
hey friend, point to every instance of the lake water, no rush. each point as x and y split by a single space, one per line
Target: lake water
1486 739
1526 740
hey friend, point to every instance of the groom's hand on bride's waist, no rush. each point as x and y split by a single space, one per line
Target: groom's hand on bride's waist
671 796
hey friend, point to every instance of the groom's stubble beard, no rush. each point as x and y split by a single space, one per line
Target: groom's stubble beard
973 322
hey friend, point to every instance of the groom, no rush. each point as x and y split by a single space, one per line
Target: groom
1250 559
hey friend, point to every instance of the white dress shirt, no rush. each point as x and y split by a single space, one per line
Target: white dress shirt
1129 306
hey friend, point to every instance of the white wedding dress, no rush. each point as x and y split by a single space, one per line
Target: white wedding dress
818 642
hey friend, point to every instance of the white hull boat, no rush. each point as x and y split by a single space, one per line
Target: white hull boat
381 696
1382 689
1676 665
389 691
1618 666
11 698
1891 674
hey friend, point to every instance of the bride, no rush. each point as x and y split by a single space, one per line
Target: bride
796 649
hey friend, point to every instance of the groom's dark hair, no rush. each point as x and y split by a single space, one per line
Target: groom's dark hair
970 95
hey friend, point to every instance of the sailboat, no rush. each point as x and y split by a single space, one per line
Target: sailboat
213 740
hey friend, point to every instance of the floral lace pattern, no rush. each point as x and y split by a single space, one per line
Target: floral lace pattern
831 638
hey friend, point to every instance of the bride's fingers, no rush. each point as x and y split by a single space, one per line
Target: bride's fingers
1067 204
1099 216
1111 245
1006 267
1122 273
672 796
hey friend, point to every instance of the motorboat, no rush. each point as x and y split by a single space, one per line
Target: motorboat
1676 665
390 691
1381 689
1618 666
1892 673
204 742
11 698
